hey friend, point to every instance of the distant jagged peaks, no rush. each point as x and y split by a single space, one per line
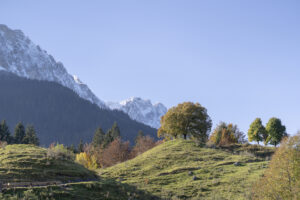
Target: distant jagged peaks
22 57
141 110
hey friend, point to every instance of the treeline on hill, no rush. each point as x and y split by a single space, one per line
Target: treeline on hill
21 136
108 149
58 113
190 120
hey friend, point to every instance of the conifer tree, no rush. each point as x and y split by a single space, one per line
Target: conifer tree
4 132
98 138
80 146
111 135
19 133
115 131
30 136
139 135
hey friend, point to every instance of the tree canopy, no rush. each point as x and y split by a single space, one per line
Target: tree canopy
30 136
275 130
282 179
257 131
19 133
225 134
4 133
98 138
188 120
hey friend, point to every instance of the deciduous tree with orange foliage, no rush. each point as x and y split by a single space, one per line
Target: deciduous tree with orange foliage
116 152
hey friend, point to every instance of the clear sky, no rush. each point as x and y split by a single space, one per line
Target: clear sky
238 58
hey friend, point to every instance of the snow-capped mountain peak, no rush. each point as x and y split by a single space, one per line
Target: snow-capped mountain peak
19 55
141 110
77 80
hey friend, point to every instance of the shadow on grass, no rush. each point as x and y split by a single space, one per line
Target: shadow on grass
92 190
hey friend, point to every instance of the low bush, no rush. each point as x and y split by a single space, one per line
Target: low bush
58 151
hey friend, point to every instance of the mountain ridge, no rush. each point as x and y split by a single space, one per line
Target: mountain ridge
19 55
141 110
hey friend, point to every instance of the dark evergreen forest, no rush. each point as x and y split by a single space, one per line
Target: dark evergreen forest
58 113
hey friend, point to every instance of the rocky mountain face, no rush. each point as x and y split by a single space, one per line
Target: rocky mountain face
19 55
141 110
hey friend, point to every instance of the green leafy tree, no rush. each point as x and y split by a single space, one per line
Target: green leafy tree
257 131
188 120
276 131
98 138
19 133
80 146
30 136
4 132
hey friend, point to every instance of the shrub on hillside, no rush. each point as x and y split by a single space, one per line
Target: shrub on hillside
3 144
88 161
282 179
143 144
58 151
226 134
116 152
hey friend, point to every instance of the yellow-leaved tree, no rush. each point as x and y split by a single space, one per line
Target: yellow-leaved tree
88 161
282 179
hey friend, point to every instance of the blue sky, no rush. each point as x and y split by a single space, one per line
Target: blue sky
239 59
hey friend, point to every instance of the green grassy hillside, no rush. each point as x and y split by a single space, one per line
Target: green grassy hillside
23 164
181 170
27 163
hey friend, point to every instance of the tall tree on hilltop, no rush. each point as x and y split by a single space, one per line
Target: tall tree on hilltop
257 131
4 132
186 119
30 136
19 133
276 131
98 138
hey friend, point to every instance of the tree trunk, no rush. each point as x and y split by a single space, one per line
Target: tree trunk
184 136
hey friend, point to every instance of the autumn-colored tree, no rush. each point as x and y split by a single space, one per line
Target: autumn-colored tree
282 179
143 144
276 131
225 134
257 131
88 161
188 120
116 152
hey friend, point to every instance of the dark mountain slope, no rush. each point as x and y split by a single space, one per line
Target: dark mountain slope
57 112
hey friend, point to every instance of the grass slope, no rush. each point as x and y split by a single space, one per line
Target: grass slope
28 163
166 171
94 190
